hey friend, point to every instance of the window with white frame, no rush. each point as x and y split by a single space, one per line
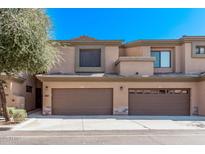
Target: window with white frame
162 59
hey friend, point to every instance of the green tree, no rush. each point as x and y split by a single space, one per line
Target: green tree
24 45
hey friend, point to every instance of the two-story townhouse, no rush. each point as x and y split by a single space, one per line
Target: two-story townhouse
144 77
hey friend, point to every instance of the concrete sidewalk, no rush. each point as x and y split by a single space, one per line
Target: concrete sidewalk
86 123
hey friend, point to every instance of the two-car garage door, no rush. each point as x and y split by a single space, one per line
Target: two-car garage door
99 101
82 101
159 101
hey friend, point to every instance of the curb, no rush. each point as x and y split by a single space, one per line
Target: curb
22 124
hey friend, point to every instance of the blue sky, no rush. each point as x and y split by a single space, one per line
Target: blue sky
126 24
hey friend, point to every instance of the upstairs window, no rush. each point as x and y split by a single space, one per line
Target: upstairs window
90 57
163 59
200 49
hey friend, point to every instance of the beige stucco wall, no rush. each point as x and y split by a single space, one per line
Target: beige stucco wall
138 51
66 63
17 88
182 60
177 56
17 96
192 65
16 101
122 52
120 95
111 55
128 68
13 97
178 59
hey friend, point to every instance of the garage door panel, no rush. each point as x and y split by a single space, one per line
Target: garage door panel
82 112
90 101
158 104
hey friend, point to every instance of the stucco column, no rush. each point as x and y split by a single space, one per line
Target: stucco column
47 108
120 100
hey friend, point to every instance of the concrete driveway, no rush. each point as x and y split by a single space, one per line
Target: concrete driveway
86 123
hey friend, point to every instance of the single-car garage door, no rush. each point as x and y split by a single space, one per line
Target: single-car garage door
90 101
159 101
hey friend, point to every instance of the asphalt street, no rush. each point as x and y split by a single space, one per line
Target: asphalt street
139 137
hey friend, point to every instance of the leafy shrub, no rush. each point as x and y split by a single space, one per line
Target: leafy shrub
11 111
17 115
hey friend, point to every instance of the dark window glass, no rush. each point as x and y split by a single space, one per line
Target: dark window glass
29 89
157 58
90 57
200 50
163 58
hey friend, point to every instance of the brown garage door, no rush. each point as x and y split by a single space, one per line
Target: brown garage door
159 101
82 101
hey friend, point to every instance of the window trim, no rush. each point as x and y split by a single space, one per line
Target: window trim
199 46
79 69
194 45
170 58
99 54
